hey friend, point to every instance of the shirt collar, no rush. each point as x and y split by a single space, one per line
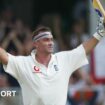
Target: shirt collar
33 53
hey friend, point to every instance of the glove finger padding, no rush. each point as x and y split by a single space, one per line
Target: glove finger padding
100 26
100 29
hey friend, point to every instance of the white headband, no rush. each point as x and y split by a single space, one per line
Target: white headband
41 36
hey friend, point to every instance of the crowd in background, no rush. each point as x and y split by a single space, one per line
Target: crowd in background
15 38
14 35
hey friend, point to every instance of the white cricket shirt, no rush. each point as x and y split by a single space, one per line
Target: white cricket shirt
41 85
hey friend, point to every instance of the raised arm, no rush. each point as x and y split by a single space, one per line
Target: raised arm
3 56
91 43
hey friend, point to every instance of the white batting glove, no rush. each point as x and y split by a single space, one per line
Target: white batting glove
100 29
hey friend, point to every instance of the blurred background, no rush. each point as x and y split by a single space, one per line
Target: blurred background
72 22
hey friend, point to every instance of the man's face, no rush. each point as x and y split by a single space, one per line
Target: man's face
45 45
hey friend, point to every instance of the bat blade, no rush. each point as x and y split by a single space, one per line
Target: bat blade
98 8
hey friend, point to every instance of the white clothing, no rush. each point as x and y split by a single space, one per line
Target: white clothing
41 85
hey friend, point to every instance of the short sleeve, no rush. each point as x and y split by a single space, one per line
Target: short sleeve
73 59
12 66
77 57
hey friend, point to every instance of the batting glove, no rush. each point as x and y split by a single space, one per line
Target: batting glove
100 29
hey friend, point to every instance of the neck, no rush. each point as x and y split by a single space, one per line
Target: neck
43 58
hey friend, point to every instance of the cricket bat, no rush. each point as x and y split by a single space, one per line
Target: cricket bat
99 8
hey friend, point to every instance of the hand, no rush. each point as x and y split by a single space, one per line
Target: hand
100 27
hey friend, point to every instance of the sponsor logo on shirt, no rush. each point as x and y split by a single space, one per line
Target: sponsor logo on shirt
37 70
56 68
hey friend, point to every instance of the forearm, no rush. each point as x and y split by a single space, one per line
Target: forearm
18 45
5 43
90 44
3 56
58 34
85 76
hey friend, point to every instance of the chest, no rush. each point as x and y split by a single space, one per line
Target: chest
34 74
